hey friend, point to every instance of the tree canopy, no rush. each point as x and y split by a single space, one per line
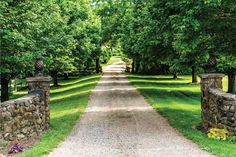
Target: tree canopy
161 37
178 36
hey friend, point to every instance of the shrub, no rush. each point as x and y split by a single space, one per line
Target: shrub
221 134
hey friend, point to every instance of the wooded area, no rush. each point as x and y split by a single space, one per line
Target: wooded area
158 37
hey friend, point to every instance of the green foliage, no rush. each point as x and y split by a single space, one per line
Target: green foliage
67 34
126 59
177 34
110 12
106 55
87 35
220 134
16 44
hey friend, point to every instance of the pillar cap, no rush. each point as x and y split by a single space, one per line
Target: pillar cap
211 76
39 79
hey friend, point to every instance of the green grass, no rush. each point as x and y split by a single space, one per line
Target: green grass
179 102
112 60
68 102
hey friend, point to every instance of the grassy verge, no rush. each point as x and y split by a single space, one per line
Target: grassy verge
112 60
68 102
179 102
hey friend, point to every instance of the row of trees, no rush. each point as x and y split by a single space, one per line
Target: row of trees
164 36
66 33
175 37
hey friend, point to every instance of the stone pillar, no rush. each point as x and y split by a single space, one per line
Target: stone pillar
42 83
208 81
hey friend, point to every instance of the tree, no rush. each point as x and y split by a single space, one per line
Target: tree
204 27
87 33
62 32
227 63
17 47
178 33
110 13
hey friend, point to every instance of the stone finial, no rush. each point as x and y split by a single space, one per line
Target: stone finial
39 67
212 62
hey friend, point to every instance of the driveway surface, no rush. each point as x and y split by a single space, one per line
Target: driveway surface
118 122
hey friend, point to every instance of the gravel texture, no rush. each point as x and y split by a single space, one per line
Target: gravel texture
118 122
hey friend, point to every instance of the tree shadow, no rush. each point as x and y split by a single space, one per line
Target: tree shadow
78 80
71 89
182 96
111 73
153 78
114 84
162 84
68 102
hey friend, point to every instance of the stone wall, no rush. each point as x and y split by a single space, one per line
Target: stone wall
22 118
218 107
222 107
28 116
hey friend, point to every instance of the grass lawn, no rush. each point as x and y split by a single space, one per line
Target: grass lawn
179 102
68 102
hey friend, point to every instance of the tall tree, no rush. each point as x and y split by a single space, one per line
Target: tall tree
18 21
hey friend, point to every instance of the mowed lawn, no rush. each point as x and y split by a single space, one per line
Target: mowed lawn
68 102
179 102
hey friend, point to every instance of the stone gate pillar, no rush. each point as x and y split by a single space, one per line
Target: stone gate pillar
42 83
208 81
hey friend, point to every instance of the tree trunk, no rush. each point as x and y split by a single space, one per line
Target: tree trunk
55 79
133 66
194 74
175 76
97 65
4 89
137 67
232 81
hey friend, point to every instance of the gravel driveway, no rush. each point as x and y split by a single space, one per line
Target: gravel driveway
118 122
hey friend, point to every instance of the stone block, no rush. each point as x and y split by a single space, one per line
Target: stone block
218 107
26 116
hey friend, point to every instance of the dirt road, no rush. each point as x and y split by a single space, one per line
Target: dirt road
119 122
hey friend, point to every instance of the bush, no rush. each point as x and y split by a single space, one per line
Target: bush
220 134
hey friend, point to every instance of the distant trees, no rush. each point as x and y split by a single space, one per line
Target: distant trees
110 13
66 33
180 35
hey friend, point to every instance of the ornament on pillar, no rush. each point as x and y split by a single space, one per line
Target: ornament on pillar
39 67
212 62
